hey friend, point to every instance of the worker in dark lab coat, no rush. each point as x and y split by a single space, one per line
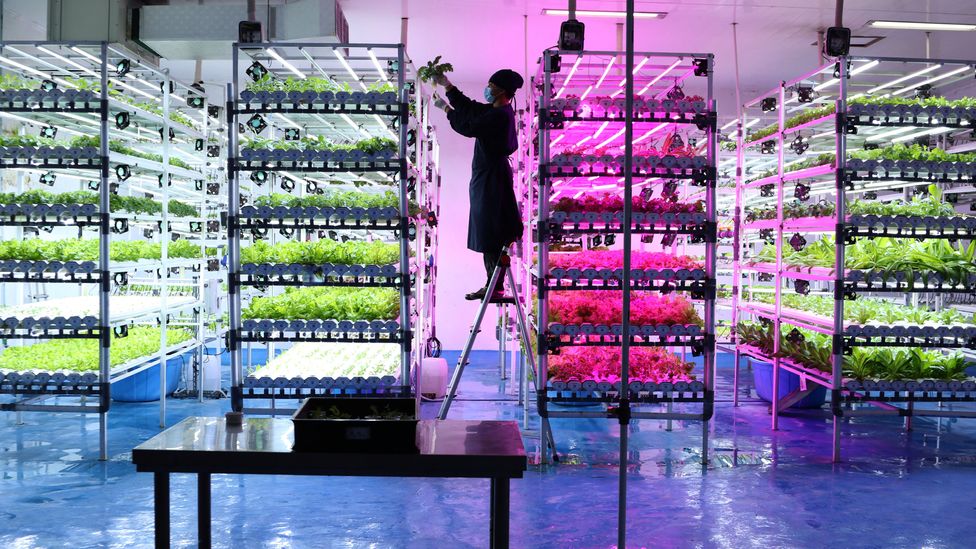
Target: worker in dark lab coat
494 221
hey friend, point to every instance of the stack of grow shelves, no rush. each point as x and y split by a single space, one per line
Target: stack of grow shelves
849 242
100 200
333 214
580 225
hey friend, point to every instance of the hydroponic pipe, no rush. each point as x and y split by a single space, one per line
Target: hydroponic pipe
233 246
404 232
104 199
777 324
840 214
624 417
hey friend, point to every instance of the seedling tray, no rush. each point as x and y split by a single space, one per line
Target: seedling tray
356 425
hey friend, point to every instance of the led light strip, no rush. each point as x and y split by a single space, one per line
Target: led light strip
854 72
651 132
32 70
637 68
572 71
611 138
376 63
37 123
931 80
909 137
884 135
69 61
606 71
904 78
285 63
659 77
600 129
345 65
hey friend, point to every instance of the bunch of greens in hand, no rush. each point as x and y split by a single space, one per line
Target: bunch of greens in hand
434 69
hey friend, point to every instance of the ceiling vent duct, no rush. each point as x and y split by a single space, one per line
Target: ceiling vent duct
206 31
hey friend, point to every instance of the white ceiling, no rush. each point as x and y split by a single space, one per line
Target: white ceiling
775 36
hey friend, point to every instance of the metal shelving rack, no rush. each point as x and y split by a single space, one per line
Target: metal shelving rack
658 105
62 90
847 127
399 111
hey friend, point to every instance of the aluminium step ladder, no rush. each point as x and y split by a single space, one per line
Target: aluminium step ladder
547 445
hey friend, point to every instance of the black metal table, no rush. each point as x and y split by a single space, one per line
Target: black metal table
262 446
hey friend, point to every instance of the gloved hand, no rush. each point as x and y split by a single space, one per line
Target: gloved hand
441 104
441 80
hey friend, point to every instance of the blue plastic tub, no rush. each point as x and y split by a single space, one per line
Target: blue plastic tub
144 386
762 375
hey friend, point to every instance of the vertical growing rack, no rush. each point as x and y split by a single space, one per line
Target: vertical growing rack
841 135
579 123
330 100
90 121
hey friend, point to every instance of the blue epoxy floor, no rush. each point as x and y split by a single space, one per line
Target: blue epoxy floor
763 489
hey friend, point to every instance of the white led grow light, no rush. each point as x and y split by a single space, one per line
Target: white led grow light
287 121
931 80
285 63
660 76
884 135
932 131
68 61
606 71
86 54
600 129
572 71
651 132
611 138
637 68
854 72
904 78
345 65
376 63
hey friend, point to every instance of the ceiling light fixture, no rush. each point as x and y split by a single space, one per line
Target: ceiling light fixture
605 13
920 25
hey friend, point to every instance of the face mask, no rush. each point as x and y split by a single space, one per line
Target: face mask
488 96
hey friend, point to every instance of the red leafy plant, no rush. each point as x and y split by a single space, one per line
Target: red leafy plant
614 259
603 307
604 364
615 203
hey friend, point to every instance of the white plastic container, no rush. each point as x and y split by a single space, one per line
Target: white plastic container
433 378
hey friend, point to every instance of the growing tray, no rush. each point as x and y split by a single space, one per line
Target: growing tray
379 436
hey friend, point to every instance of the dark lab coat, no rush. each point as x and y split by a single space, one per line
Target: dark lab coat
494 220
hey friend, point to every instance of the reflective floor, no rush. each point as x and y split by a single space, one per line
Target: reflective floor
762 488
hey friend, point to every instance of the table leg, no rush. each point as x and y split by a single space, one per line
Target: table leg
161 494
203 510
499 513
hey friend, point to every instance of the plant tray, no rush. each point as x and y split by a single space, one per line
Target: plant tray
358 434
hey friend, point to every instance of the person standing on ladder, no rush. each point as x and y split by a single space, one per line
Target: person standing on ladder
494 220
